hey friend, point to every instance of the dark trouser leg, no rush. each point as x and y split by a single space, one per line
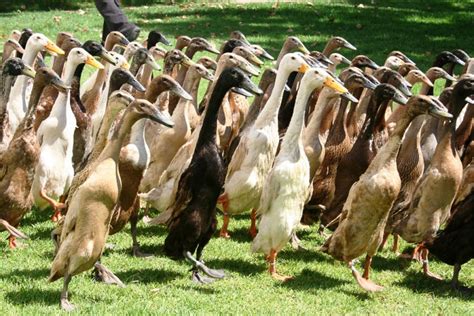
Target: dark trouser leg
115 19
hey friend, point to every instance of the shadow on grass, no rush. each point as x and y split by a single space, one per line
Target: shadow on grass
418 283
310 280
32 296
203 289
28 274
236 265
147 275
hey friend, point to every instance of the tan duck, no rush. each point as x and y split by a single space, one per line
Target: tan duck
366 208
17 164
182 42
169 142
429 209
10 48
144 76
337 144
336 43
86 224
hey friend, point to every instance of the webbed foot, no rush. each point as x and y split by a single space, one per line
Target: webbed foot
137 253
102 274
66 305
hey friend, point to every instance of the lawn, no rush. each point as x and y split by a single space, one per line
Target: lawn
321 285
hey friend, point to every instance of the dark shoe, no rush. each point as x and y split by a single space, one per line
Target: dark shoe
130 31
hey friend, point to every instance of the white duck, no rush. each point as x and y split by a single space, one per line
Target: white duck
20 92
253 157
55 171
287 188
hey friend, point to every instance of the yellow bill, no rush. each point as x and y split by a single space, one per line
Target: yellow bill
94 63
188 62
333 84
125 65
255 60
53 48
303 68
303 49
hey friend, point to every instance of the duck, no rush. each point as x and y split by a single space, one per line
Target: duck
371 197
288 184
336 43
182 42
196 44
145 75
336 60
254 155
10 49
364 149
19 94
162 195
86 225
17 164
54 170
134 160
50 93
336 147
170 141
193 220
428 209
113 38
155 37
11 68
141 58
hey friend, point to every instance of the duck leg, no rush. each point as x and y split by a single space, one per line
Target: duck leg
272 268
65 304
102 274
364 283
133 230
296 242
384 241
253 223
200 266
426 267
395 246
14 233
57 206
224 200
455 280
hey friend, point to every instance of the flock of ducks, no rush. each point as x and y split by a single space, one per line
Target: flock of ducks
357 152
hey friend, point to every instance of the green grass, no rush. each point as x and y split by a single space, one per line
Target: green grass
322 285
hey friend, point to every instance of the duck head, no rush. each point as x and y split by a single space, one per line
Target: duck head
239 36
115 38
143 56
15 46
402 56
141 108
202 44
233 60
155 37
237 79
362 61
46 76
385 92
40 42
208 63
182 41
320 57
248 54
96 49
122 76
358 80
337 59
463 89
16 67
393 62
174 87
80 56
417 75
406 68
261 52
435 73
293 43
294 62
176 57
445 58
422 104
203 72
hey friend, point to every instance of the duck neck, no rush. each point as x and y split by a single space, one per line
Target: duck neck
29 119
379 122
135 67
58 63
412 139
270 111
154 90
137 138
209 124
112 148
367 128
320 112
146 75
30 54
76 87
292 141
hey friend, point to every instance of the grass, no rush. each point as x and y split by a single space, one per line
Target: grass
322 285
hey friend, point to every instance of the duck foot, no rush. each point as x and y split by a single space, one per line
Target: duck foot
461 288
102 274
296 242
66 305
137 253
216 274
321 232
12 230
367 285
201 279
253 224
432 275
281 278
224 234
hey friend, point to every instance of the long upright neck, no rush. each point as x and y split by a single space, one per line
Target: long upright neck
292 141
270 111
320 111
29 55
209 123
135 67
76 87
112 148
68 74
58 63
29 119
367 127
284 50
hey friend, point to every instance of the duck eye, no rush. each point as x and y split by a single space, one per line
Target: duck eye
293 58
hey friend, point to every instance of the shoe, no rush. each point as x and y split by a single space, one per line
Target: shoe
130 31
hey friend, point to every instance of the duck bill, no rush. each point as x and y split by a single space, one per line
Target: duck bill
405 90
345 61
438 110
164 40
136 84
123 41
372 65
180 92
208 76
125 65
400 98
287 88
255 60
350 97
349 46
153 65
369 84
53 49
303 68
212 49
449 77
470 100
248 85
28 71
427 81
459 61
242 92
108 57
336 86
303 49
60 85
188 62
91 61
161 118
250 69
267 55
409 61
